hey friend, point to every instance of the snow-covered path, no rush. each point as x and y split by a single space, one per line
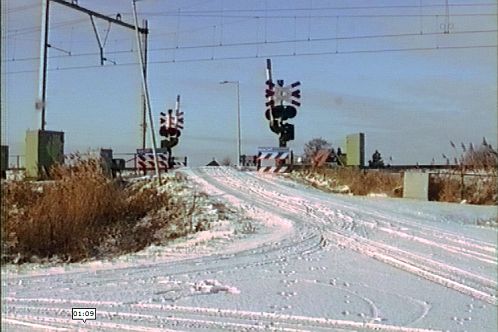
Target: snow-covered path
316 262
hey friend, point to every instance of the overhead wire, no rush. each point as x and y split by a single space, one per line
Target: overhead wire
487 4
21 8
271 42
335 52
35 29
326 15
295 40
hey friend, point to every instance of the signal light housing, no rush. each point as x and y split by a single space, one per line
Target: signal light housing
287 133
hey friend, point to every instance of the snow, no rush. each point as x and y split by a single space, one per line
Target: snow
212 286
285 257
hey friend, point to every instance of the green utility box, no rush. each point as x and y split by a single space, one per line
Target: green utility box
43 149
355 150
5 160
105 156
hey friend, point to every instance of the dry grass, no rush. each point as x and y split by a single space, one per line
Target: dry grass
445 187
478 187
360 182
76 215
480 190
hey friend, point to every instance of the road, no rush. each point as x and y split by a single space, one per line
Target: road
310 262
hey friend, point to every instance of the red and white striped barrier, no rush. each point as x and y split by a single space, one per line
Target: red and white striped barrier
280 157
273 155
274 169
145 161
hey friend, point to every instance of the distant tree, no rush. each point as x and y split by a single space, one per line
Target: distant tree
312 147
226 161
376 161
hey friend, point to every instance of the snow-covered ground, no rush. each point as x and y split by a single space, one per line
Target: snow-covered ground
305 261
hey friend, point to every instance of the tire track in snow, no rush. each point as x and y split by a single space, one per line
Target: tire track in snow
377 211
315 221
195 317
387 219
451 277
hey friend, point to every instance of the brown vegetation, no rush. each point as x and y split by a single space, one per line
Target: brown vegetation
444 187
80 212
474 179
454 187
360 182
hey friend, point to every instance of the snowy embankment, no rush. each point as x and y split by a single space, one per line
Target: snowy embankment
286 258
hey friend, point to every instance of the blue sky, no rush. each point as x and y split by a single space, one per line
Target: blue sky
409 104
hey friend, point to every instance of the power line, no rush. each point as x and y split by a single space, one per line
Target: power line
256 43
286 41
21 8
203 13
321 16
487 4
297 54
35 29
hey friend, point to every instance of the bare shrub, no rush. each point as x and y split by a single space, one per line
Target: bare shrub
362 182
312 147
444 188
72 216
474 189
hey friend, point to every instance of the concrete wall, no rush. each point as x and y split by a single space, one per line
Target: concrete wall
416 185
355 150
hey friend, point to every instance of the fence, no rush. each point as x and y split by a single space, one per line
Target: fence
16 161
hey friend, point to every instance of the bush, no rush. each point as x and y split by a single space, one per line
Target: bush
360 182
477 189
74 215
444 188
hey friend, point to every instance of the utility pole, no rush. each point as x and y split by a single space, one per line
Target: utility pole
146 92
237 83
42 80
144 103
238 123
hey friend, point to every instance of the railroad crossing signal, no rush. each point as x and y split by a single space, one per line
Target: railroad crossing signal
178 120
169 143
281 112
171 125
288 94
167 124
277 112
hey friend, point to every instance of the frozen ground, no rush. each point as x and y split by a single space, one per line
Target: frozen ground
309 261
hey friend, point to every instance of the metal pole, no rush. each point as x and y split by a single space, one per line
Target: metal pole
238 124
238 118
146 91
101 47
42 81
144 105
269 79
